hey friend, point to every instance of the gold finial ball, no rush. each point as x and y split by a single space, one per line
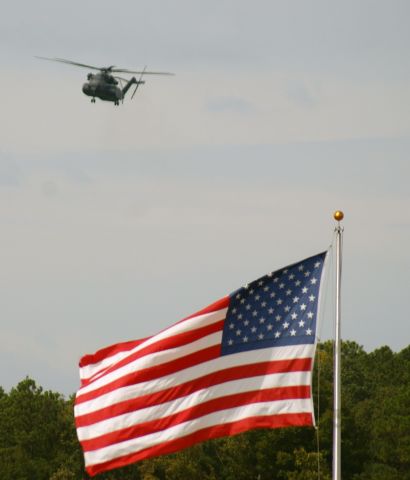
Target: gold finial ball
338 215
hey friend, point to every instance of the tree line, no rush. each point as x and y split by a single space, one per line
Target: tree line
38 439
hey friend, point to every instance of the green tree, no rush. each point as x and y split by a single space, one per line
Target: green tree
34 427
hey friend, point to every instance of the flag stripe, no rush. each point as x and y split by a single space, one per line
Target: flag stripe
218 391
217 404
216 431
282 369
109 354
158 371
134 388
183 429
178 336
174 342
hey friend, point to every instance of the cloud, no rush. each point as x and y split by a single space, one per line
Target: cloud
229 104
10 173
301 95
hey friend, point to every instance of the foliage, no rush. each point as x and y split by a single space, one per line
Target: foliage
38 439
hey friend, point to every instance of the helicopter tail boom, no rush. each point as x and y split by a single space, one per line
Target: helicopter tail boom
132 81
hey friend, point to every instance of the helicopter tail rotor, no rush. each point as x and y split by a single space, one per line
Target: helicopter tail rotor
139 82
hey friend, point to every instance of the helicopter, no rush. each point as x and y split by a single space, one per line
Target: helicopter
105 84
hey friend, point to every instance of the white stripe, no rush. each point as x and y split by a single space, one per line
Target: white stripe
193 323
178 405
217 418
197 371
153 359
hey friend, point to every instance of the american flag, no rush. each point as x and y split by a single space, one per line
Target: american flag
243 362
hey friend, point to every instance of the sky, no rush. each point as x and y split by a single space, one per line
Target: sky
119 221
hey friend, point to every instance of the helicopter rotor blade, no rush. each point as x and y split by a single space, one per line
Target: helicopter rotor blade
138 82
69 62
110 69
144 72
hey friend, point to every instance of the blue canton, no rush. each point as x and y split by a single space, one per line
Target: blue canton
278 309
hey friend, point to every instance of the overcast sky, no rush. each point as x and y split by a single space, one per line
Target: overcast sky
118 221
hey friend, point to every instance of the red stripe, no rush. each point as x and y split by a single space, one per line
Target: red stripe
154 372
271 421
214 307
187 388
175 341
126 346
109 352
205 408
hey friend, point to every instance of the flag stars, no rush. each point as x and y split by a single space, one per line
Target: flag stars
277 308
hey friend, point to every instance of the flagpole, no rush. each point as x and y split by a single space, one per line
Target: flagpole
336 470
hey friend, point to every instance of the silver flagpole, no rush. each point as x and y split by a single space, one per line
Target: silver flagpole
336 471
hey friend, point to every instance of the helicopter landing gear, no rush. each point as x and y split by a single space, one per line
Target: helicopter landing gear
93 100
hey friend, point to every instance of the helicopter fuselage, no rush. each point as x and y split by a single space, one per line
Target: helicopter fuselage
104 87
